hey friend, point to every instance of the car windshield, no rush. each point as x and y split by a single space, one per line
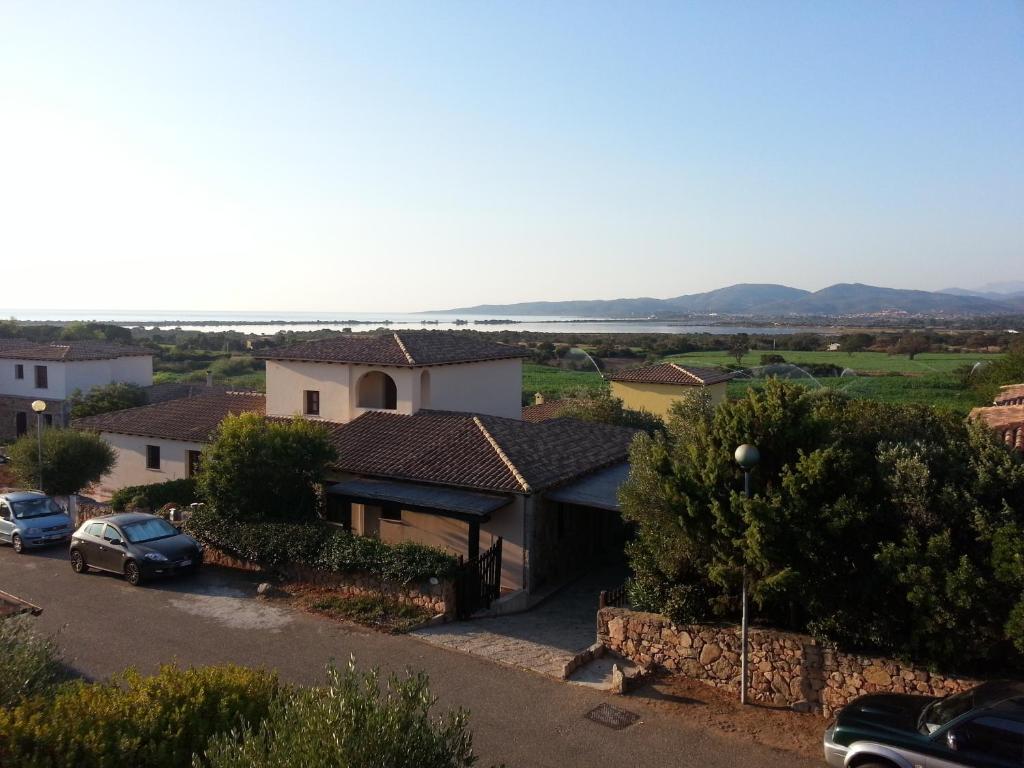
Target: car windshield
942 711
40 507
148 530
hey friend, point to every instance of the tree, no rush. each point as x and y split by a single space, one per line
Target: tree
739 348
893 529
602 407
911 344
256 468
71 460
106 398
855 342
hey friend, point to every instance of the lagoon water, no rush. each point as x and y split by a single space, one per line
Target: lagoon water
274 322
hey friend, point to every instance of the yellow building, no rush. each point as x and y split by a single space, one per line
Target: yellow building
654 388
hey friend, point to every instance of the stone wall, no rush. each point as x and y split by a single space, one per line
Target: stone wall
785 668
437 598
11 405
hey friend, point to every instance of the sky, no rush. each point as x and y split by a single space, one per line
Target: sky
403 156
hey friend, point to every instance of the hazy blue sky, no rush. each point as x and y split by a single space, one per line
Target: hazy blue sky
384 155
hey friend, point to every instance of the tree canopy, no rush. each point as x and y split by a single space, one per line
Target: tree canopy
885 528
106 398
603 407
71 460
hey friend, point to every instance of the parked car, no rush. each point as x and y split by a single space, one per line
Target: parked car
134 544
982 728
32 519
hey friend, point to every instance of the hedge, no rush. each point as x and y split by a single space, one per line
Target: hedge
154 496
159 721
317 545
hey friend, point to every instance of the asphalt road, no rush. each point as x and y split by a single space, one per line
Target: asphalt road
518 718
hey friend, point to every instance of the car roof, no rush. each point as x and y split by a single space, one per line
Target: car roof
23 495
123 518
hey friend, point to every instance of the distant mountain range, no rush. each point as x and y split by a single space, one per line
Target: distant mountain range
769 300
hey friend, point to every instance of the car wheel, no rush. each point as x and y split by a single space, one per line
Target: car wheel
132 573
18 544
78 564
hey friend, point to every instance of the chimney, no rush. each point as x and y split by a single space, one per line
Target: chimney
538 398
209 378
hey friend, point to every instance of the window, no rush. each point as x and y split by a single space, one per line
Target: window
312 406
111 534
152 457
48 419
5 512
94 529
194 458
391 512
42 381
19 371
993 737
378 390
20 423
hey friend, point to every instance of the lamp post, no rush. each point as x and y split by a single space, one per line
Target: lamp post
747 457
39 407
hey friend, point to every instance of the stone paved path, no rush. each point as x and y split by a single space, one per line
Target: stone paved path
542 639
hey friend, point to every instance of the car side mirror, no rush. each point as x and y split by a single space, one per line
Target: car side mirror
116 542
954 740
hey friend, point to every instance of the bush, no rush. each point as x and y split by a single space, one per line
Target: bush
317 545
350 722
71 460
154 721
29 663
181 492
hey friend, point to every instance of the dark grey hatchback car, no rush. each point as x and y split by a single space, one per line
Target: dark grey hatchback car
135 545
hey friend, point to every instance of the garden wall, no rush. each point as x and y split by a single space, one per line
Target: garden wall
785 668
437 598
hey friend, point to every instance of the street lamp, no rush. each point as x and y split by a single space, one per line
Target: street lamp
39 407
747 457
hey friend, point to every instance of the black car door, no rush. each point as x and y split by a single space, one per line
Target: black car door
112 550
88 543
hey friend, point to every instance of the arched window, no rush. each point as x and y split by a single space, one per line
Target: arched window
377 390
425 389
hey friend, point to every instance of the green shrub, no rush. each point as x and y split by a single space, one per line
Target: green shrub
29 663
318 545
350 722
71 460
155 721
154 496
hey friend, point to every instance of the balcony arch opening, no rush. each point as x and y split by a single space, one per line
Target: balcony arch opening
377 390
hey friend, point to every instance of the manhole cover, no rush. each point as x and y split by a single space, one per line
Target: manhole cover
612 717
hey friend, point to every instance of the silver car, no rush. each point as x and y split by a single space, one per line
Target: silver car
32 519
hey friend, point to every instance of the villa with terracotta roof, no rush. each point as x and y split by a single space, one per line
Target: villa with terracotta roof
654 388
431 445
32 371
1006 415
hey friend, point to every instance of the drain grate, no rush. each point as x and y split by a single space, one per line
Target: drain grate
612 717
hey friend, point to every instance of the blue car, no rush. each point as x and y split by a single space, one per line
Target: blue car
32 519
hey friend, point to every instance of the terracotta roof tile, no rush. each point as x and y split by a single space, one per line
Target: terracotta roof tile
69 351
550 409
1012 394
192 419
671 373
1006 420
405 348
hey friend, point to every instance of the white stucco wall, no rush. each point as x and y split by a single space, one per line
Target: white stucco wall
494 387
130 468
65 378
55 373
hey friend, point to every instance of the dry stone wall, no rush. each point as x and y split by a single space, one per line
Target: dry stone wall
437 598
785 668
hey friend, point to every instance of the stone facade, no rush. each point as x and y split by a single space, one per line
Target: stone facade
438 598
785 668
11 406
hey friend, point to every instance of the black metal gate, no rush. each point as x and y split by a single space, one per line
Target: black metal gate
478 581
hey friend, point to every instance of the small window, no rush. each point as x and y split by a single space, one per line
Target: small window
111 534
194 457
48 419
152 457
19 371
42 380
312 402
94 529
994 737
391 512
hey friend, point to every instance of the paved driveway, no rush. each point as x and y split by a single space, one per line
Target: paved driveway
521 719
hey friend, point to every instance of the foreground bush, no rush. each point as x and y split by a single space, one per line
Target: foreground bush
155 495
71 460
29 663
350 723
317 545
157 722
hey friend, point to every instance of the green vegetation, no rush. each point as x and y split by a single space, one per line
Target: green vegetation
377 611
556 383
314 544
354 721
154 496
601 407
892 529
260 469
159 721
71 460
30 664
859 362
103 399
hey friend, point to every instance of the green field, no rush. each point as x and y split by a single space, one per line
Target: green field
928 362
557 382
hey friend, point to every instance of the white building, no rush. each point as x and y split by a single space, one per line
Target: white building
52 372
431 448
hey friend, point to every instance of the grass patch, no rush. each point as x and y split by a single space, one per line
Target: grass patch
925 363
376 611
555 383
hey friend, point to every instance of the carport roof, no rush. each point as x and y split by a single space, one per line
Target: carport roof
599 489
450 502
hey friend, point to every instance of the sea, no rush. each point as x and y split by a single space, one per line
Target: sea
269 323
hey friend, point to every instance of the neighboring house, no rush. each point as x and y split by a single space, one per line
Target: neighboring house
545 410
52 372
431 448
654 388
1006 415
